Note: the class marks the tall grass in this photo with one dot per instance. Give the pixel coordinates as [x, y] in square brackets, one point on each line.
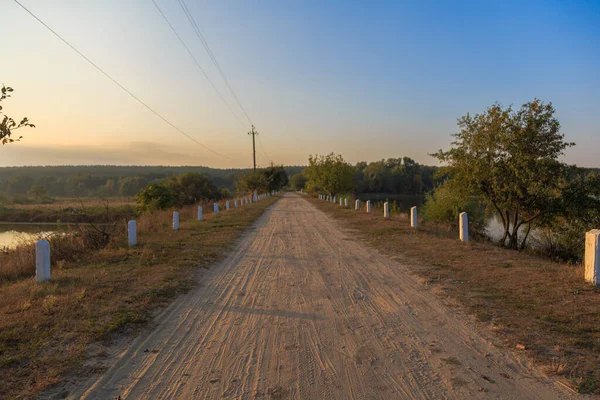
[84, 239]
[72, 245]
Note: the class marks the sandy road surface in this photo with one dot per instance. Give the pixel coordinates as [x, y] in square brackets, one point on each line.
[300, 310]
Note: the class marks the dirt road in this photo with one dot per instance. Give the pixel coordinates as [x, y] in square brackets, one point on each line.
[300, 310]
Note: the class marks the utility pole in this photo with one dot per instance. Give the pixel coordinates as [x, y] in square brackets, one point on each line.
[253, 133]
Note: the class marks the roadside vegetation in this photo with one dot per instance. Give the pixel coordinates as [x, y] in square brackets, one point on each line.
[49, 330]
[506, 163]
[503, 163]
[509, 160]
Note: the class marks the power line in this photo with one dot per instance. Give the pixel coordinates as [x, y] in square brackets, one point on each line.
[211, 55]
[263, 150]
[117, 83]
[192, 21]
[196, 62]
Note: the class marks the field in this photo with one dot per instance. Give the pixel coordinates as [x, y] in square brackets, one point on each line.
[535, 306]
[69, 210]
[49, 330]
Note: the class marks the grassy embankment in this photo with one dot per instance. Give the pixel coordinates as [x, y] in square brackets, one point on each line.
[536, 306]
[47, 330]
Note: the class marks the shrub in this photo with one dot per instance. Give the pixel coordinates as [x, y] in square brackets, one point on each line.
[447, 201]
[155, 196]
[190, 188]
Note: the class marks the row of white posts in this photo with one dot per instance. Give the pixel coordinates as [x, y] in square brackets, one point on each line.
[42, 247]
[463, 218]
[592, 238]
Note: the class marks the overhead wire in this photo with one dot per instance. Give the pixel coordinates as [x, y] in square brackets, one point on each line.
[192, 22]
[211, 55]
[196, 61]
[263, 150]
[120, 85]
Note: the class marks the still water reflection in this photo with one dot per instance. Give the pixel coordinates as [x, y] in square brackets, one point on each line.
[12, 235]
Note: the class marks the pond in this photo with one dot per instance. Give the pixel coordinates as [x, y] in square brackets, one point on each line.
[403, 201]
[12, 235]
[493, 229]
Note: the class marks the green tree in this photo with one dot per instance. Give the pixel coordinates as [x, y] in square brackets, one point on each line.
[192, 187]
[276, 177]
[252, 180]
[510, 160]
[448, 200]
[130, 185]
[8, 125]
[155, 196]
[330, 174]
[19, 184]
[298, 181]
[38, 192]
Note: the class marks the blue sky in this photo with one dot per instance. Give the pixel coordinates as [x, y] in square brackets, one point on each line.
[369, 80]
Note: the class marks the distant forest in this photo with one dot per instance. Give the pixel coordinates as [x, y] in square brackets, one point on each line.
[17, 184]
[101, 180]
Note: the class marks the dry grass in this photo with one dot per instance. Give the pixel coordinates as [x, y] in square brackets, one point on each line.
[527, 301]
[69, 210]
[74, 202]
[47, 329]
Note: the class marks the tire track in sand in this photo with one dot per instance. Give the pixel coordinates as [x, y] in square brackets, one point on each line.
[299, 310]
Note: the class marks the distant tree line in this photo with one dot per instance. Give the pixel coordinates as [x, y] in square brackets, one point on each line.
[43, 183]
[331, 174]
[190, 188]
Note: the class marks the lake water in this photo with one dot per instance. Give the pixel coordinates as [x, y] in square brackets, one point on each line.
[404, 202]
[494, 228]
[12, 235]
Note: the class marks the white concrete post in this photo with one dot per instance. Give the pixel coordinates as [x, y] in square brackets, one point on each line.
[334, 199]
[216, 208]
[386, 210]
[42, 261]
[592, 257]
[413, 217]
[255, 196]
[463, 221]
[175, 220]
[346, 203]
[341, 202]
[368, 206]
[227, 205]
[132, 233]
[199, 213]
[235, 203]
[357, 204]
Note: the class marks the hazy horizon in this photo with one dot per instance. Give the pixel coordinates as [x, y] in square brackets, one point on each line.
[369, 81]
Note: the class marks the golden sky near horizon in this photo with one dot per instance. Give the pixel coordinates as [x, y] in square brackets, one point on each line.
[304, 72]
